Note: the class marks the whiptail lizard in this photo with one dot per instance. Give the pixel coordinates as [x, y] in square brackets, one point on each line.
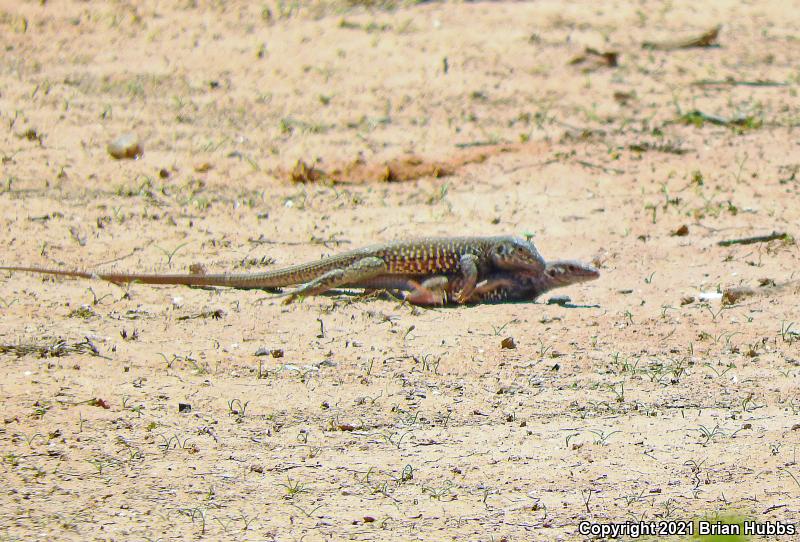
[407, 264]
[496, 287]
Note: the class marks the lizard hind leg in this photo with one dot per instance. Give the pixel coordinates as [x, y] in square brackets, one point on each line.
[363, 269]
[432, 291]
[491, 289]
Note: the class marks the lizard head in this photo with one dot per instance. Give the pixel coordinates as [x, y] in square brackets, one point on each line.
[566, 272]
[514, 253]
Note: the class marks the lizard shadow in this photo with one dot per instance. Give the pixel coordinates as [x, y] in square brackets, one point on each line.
[571, 305]
[528, 302]
[387, 295]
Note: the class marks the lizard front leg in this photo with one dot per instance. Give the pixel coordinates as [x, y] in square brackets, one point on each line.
[361, 270]
[468, 265]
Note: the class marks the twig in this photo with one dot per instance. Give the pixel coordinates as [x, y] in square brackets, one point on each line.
[586, 500]
[56, 349]
[262, 240]
[738, 82]
[774, 507]
[470, 144]
[774, 236]
[604, 169]
[698, 117]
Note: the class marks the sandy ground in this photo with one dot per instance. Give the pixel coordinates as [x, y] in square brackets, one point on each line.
[640, 401]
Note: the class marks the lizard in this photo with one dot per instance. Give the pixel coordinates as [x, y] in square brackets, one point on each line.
[467, 258]
[497, 286]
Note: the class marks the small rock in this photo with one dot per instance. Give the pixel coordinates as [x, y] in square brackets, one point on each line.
[623, 97]
[683, 231]
[368, 519]
[709, 296]
[183, 408]
[274, 352]
[687, 299]
[508, 343]
[559, 300]
[795, 427]
[125, 146]
[102, 403]
[750, 426]
[202, 167]
[732, 295]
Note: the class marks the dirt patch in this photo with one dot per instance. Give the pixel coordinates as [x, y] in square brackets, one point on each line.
[406, 168]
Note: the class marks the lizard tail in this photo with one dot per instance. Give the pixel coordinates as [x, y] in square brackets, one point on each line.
[199, 279]
[49, 271]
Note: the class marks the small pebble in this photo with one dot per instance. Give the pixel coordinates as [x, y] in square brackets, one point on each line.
[559, 300]
[184, 408]
[125, 146]
[508, 343]
[732, 295]
[682, 231]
